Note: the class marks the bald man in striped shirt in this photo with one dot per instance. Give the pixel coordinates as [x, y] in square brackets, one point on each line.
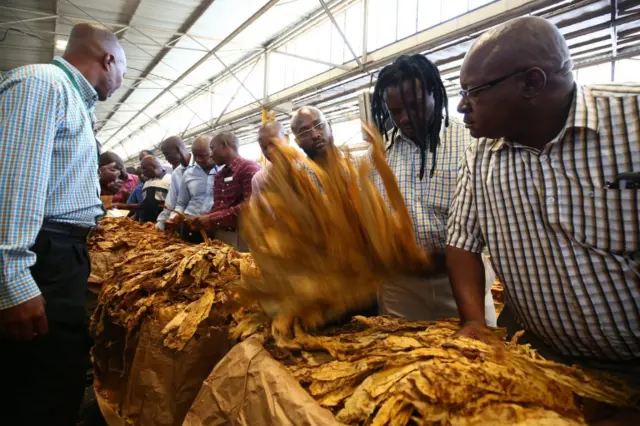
[542, 189]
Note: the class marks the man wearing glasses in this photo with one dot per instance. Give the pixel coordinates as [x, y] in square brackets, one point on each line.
[539, 189]
[313, 133]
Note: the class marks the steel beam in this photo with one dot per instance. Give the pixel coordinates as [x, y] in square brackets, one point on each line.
[234, 95]
[310, 21]
[265, 86]
[211, 53]
[22, 21]
[55, 29]
[32, 11]
[317, 61]
[344, 37]
[445, 33]
[365, 28]
[614, 37]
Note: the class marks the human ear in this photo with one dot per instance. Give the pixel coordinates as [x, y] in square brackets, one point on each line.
[534, 81]
[107, 60]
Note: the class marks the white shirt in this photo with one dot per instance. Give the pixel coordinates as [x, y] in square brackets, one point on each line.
[195, 197]
[172, 196]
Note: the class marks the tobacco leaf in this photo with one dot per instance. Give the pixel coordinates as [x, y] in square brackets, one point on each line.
[388, 371]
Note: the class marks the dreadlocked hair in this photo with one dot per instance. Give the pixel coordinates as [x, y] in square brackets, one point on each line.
[412, 68]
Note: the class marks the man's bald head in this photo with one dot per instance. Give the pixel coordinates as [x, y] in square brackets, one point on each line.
[224, 147]
[520, 44]
[97, 54]
[175, 151]
[513, 73]
[151, 167]
[269, 133]
[312, 131]
[306, 111]
[201, 150]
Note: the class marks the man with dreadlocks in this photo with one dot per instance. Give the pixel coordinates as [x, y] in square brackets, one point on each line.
[409, 98]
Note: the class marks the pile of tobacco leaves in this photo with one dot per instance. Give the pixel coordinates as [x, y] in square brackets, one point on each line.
[388, 371]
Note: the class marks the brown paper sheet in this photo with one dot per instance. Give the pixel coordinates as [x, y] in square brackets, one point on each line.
[161, 383]
[249, 388]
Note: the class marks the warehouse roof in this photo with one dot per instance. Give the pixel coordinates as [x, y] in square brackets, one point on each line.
[197, 65]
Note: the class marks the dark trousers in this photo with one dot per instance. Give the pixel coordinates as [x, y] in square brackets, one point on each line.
[194, 237]
[43, 380]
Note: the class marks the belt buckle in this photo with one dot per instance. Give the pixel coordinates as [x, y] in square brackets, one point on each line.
[92, 231]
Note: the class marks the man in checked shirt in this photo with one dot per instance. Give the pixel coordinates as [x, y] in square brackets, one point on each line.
[540, 190]
[424, 151]
[231, 188]
[48, 150]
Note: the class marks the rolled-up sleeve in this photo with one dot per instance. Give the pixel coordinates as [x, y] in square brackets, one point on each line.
[171, 200]
[463, 229]
[28, 123]
[183, 198]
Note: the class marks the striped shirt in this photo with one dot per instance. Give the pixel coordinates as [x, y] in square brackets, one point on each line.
[48, 166]
[428, 199]
[563, 243]
[195, 197]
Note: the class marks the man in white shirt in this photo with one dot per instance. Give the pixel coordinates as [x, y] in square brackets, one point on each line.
[176, 153]
[195, 196]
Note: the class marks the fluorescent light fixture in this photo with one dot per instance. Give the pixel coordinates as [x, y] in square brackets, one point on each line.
[61, 44]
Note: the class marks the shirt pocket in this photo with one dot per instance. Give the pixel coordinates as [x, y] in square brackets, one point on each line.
[606, 219]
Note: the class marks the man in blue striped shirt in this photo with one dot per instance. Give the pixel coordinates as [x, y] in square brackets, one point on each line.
[48, 150]
[195, 196]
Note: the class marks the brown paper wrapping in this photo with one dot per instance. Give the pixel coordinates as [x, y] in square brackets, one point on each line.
[250, 388]
[158, 385]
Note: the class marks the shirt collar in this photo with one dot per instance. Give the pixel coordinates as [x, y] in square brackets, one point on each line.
[235, 163]
[87, 92]
[582, 114]
[213, 170]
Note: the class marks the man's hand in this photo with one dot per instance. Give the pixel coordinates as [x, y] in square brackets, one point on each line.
[24, 321]
[115, 186]
[480, 331]
[200, 222]
[170, 225]
[477, 331]
[109, 173]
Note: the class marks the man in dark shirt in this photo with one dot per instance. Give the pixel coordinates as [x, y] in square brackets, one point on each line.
[231, 187]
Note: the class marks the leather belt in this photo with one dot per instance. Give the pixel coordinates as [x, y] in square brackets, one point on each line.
[67, 229]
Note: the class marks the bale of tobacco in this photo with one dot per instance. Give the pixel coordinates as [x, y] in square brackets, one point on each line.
[115, 237]
[161, 323]
[323, 237]
[387, 371]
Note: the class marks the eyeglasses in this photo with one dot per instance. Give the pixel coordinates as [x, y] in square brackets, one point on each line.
[465, 93]
[305, 134]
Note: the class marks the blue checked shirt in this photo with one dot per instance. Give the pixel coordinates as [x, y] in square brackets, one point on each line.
[48, 166]
[428, 200]
[195, 197]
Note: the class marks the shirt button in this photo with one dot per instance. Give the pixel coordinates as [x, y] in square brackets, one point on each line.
[551, 200]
